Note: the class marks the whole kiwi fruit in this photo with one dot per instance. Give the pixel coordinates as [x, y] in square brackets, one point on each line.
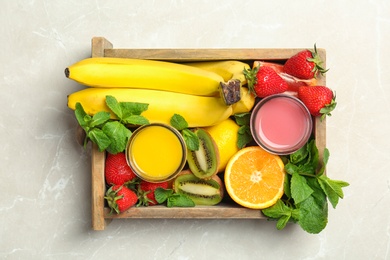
[202, 192]
[204, 162]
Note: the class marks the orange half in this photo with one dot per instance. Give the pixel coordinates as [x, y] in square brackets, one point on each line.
[254, 178]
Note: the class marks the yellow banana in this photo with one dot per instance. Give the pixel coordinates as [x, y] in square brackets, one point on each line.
[198, 111]
[144, 74]
[246, 102]
[229, 69]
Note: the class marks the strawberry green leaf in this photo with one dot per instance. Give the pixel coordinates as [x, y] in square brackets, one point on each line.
[251, 77]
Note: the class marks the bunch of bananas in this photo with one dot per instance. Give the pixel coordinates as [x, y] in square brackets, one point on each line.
[192, 90]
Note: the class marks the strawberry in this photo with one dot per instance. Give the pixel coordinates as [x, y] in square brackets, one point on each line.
[304, 65]
[263, 81]
[120, 198]
[117, 171]
[146, 192]
[320, 100]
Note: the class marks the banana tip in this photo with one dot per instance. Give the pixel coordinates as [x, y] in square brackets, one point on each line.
[67, 72]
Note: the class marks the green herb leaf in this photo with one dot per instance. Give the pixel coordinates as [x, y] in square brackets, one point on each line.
[300, 190]
[161, 194]
[178, 122]
[282, 222]
[314, 210]
[179, 200]
[332, 189]
[118, 134]
[128, 112]
[82, 117]
[173, 199]
[132, 108]
[191, 139]
[113, 104]
[99, 138]
[99, 118]
[244, 136]
[277, 210]
[244, 132]
[135, 120]
[242, 119]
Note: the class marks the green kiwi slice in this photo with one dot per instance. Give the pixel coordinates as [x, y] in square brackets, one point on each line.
[204, 162]
[202, 192]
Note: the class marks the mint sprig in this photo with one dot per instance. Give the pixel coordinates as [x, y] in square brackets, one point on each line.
[107, 134]
[173, 199]
[190, 138]
[244, 132]
[307, 191]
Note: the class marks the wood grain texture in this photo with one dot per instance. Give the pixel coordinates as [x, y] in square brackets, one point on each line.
[100, 214]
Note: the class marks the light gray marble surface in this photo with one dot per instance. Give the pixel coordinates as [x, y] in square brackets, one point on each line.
[45, 175]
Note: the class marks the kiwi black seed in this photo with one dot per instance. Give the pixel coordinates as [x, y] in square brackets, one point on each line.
[201, 191]
[204, 162]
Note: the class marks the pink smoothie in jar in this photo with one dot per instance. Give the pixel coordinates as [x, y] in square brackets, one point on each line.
[281, 124]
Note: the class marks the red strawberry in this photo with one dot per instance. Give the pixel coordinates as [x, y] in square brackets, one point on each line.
[120, 198]
[146, 192]
[263, 81]
[117, 171]
[320, 100]
[304, 65]
[293, 82]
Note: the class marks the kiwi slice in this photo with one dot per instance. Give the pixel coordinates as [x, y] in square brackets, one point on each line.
[204, 162]
[201, 191]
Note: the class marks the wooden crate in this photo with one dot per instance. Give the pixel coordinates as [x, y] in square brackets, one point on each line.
[101, 47]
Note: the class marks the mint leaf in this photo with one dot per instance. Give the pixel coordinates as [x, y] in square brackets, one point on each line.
[99, 138]
[179, 200]
[279, 211]
[113, 104]
[82, 117]
[300, 190]
[191, 139]
[132, 108]
[242, 119]
[244, 132]
[128, 112]
[178, 122]
[118, 134]
[173, 199]
[313, 216]
[99, 119]
[135, 120]
[244, 136]
[282, 222]
[161, 194]
[286, 186]
[299, 155]
[332, 189]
